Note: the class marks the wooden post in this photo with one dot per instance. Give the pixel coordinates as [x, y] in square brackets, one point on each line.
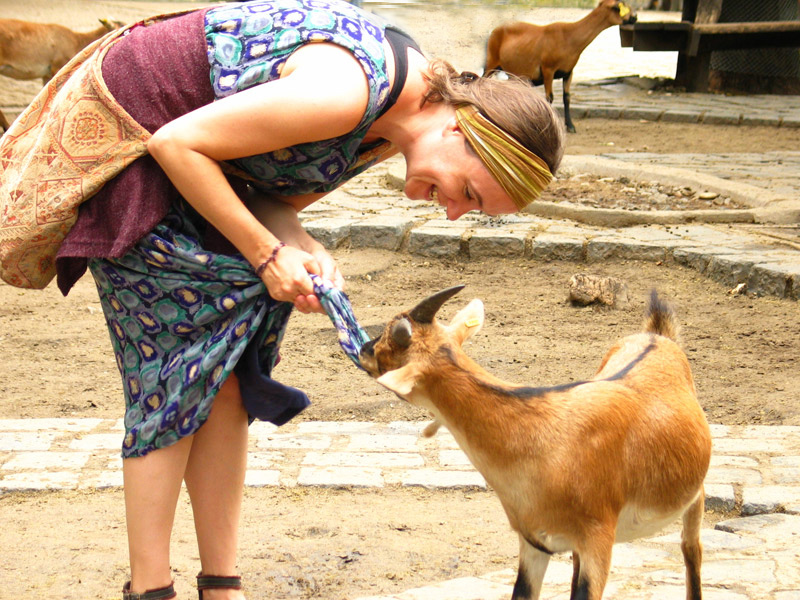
[689, 10]
[708, 11]
[694, 62]
[692, 72]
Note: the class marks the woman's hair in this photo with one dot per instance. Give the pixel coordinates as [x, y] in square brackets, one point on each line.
[513, 105]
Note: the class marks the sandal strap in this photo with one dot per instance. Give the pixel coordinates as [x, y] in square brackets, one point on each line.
[164, 593]
[209, 582]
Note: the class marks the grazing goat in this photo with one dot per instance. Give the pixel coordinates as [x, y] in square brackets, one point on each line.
[39, 50]
[541, 53]
[577, 467]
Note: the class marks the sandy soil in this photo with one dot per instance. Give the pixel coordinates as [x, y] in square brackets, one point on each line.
[332, 544]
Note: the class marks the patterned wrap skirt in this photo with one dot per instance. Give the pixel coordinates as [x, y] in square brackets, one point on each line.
[181, 320]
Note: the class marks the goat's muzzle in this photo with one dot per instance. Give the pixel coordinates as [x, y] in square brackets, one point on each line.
[367, 352]
[627, 13]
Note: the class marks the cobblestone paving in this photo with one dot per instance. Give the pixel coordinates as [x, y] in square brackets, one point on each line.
[754, 479]
[618, 99]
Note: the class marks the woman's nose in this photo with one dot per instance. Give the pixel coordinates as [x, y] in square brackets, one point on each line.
[455, 209]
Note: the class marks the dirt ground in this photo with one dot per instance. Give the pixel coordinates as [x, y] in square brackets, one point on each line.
[337, 544]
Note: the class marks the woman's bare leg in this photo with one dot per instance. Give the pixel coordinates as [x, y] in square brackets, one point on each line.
[152, 486]
[215, 480]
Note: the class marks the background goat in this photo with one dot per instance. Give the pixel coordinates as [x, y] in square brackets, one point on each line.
[579, 466]
[541, 53]
[39, 50]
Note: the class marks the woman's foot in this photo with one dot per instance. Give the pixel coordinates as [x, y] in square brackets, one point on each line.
[216, 587]
[221, 594]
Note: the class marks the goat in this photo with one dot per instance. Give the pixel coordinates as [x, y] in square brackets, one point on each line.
[541, 53]
[39, 50]
[577, 467]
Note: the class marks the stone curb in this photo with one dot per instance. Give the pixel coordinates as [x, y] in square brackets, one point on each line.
[673, 115]
[754, 468]
[765, 269]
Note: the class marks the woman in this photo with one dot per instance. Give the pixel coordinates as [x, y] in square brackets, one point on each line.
[257, 110]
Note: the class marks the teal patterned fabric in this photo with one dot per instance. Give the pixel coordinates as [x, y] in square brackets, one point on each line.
[181, 320]
[248, 44]
[336, 303]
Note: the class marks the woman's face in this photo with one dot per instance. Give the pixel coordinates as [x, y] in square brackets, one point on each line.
[448, 172]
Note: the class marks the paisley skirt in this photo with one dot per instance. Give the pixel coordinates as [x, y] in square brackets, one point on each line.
[181, 320]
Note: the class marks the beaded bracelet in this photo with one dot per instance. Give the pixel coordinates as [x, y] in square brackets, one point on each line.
[262, 267]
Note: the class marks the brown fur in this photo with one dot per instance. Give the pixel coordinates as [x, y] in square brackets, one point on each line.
[538, 52]
[39, 50]
[576, 468]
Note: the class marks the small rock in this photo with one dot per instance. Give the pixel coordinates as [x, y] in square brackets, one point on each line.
[707, 195]
[739, 290]
[588, 289]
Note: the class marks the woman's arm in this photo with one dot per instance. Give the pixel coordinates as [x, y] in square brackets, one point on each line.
[280, 215]
[322, 93]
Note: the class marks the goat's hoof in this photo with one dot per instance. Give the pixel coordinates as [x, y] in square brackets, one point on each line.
[571, 129]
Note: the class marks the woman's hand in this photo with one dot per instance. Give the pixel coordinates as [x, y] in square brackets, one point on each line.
[328, 268]
[287, 278]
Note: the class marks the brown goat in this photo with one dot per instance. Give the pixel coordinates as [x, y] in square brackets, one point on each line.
[542, 53]
[577, 467]
[39, 50]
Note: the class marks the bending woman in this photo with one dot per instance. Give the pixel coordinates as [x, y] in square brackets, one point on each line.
[257, 110]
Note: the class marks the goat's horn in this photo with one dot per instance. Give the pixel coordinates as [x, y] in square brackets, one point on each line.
[401, 333]
[427, 309]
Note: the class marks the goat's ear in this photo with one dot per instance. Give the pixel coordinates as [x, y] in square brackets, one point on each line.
[467, 322]
[400, 381]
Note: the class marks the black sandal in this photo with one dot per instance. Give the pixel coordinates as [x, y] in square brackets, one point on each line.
[164, 593]
[217, 582]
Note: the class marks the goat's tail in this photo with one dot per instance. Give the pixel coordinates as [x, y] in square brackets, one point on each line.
[659, 318]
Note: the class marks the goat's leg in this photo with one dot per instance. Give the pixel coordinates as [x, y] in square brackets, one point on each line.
[591, 564]
[4, 125]
[567, 117]
[576, 570]
[692, 548]
[532, 566]
[547, 79]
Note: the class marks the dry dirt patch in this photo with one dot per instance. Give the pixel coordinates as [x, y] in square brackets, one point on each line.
[57, 360]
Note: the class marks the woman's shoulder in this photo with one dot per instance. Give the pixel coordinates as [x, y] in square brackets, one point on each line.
[249, 42]
[325, 17]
